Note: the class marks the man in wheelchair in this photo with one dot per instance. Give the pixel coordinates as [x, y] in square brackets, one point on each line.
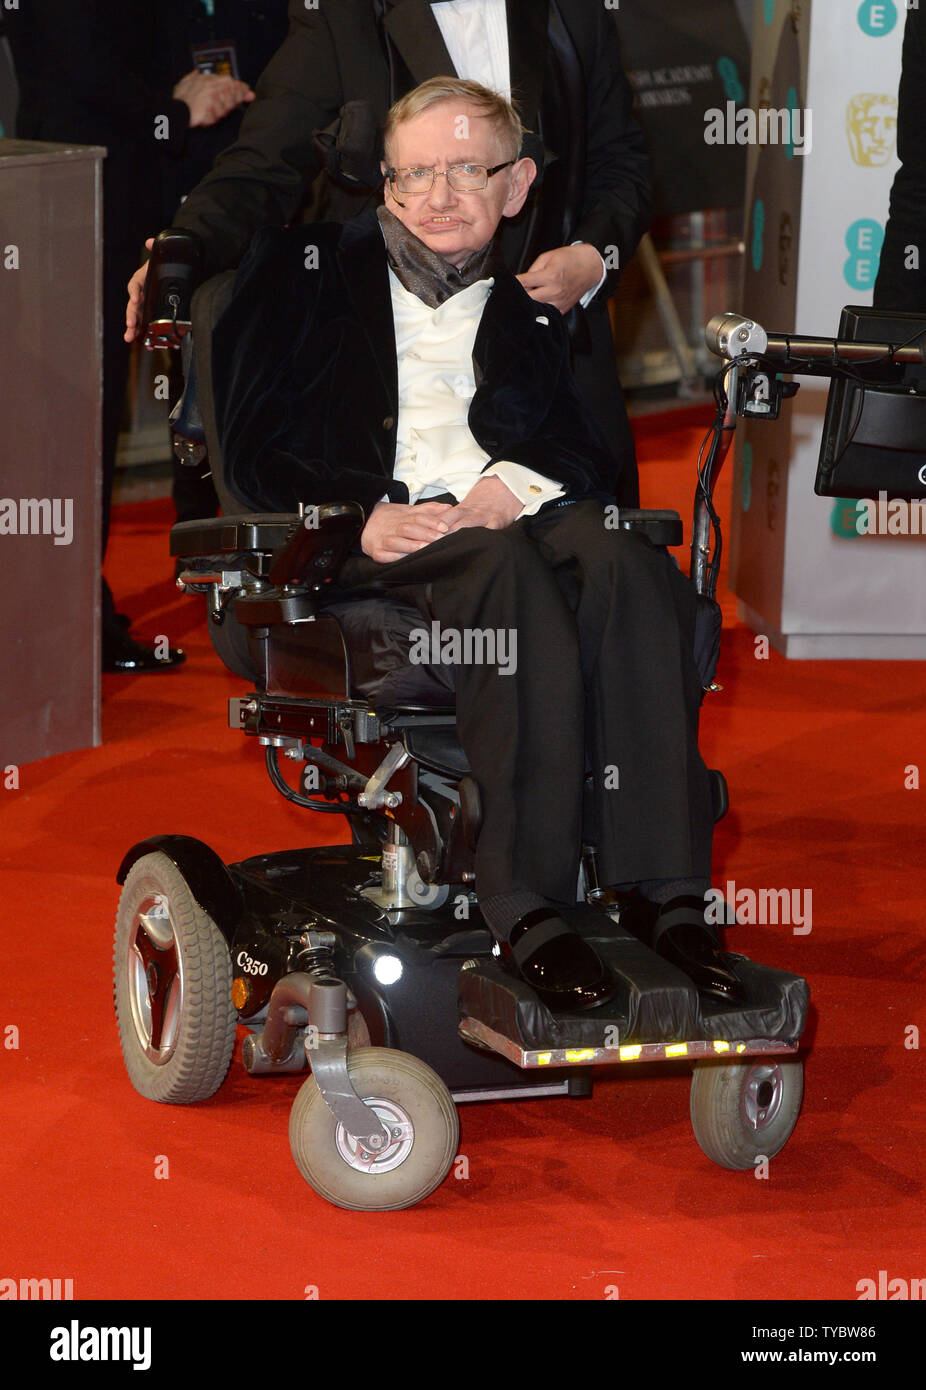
[391, 363]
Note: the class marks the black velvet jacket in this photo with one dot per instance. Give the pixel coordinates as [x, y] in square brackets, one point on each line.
[305, 377]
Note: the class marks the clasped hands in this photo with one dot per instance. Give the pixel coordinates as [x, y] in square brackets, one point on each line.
[395, 529]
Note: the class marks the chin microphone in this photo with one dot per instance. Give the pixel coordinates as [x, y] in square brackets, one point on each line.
[732, 335]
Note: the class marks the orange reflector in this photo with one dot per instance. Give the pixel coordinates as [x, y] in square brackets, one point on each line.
[239, 992]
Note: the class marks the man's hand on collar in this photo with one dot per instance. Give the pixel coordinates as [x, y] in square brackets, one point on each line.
[561, 277]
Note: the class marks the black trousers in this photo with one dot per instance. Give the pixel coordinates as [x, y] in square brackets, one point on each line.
[605, 681]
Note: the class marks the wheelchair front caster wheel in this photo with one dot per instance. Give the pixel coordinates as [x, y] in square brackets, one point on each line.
[172, 979]
[744, 1112]
[412, 1103]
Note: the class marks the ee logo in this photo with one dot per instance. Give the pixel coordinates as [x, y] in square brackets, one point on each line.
[728, 73]
[877, 17]
[864, 240]
[793, 107]
[844, 518]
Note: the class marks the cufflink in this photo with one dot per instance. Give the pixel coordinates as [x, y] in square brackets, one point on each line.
[533, 488]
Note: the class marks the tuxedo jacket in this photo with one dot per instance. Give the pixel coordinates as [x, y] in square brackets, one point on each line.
[305, 377]
[566, 75]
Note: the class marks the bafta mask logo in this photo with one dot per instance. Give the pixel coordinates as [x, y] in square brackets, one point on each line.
[797, 7]
[871, 126]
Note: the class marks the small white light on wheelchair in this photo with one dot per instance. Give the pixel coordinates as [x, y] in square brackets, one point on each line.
[387, 969]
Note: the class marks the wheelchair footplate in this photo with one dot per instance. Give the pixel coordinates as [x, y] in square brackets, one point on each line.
[657, 1013]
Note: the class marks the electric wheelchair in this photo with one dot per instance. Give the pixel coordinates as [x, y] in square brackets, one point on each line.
[368, 964]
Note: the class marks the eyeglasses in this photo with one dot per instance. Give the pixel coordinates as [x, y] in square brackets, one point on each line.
[462, 178]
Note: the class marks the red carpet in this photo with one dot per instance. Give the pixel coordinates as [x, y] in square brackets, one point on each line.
[564, 1199]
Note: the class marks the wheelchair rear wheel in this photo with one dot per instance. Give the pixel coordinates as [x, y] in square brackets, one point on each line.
[172, 978]
[229, 640]
[411, 1101]
[744, 1112]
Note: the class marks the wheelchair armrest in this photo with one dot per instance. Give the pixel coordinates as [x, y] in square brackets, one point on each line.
[175, 268]
[308, 563]
[318, 546]
[659, 527]
[275, 564]
[261, 533]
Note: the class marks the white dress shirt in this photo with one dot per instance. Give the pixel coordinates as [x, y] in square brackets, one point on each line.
[435, 448]
[475, 33]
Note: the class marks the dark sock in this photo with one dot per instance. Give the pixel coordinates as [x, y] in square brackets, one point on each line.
[502, 910]
[662, 890]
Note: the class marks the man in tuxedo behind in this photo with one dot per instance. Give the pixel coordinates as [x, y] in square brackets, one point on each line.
[389, 362]
[97, 73]
[320, 107]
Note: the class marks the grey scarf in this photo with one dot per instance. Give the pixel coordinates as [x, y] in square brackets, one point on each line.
[422, 271]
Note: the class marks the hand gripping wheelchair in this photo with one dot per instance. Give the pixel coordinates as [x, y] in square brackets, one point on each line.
[369, 964]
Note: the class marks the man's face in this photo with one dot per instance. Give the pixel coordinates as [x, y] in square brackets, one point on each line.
[450, 223]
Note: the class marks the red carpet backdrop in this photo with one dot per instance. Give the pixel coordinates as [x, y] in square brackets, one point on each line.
[564, 1200]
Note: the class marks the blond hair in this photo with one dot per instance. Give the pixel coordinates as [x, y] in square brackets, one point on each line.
[503, 114]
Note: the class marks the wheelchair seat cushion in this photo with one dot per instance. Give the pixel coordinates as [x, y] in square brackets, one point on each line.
[378, 634]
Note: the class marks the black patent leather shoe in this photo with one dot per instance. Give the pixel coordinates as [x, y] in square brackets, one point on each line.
[123, 653]
[560, 967]
[677, 931]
